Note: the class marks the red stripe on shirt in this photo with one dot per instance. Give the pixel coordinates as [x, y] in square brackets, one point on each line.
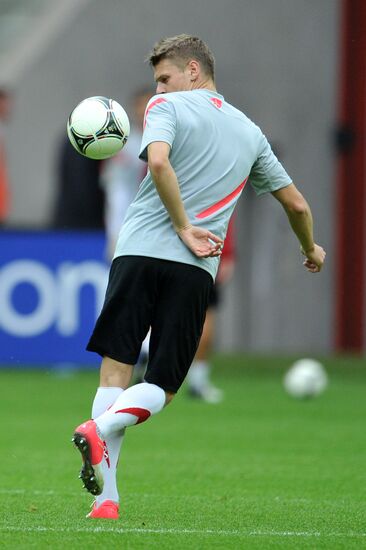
[149, 107]
[215, 207]
[229, 250]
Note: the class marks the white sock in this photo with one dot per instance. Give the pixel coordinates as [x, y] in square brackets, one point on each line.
[198, 375]
[104, 398]
[134, 406]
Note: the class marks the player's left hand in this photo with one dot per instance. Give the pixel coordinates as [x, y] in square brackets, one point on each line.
[201, 242]
[314, 259]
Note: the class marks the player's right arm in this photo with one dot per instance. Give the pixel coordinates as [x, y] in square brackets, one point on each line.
[157, 140]
[301, 221]
[200, 241]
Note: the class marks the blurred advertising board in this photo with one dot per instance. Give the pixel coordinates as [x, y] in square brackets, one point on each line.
[52, 287]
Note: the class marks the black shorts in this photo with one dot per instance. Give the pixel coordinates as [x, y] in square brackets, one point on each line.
[171, 298]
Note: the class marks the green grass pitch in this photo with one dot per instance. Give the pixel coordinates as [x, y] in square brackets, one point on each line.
[260, 470]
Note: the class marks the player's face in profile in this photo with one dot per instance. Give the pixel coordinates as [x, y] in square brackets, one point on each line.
[169, 77]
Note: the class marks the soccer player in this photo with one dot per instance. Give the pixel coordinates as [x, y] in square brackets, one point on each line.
[6, 105]
[200, 151]
[200, 385]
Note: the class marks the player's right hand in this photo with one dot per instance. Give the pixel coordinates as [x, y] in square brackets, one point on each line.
[314, 259]
[201, 242]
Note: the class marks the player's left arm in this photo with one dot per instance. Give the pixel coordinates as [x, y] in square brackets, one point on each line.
[200, 241]
[301, 220]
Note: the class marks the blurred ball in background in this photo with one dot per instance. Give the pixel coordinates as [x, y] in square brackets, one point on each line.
[305, 378]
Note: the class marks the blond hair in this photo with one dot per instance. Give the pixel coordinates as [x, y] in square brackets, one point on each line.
[182, 48]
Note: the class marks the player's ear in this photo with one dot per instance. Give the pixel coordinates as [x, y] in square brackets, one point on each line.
[194, 69]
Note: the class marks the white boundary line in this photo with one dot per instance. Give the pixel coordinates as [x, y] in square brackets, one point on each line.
[163, 531]
[166, 531]
[276, 499]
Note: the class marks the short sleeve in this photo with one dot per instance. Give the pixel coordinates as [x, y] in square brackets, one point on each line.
[159, 123]
[267, 173]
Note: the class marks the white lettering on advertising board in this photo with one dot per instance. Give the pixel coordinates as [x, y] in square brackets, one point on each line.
[58, 295]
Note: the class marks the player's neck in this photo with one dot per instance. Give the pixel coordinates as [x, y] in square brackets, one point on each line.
[206, 84]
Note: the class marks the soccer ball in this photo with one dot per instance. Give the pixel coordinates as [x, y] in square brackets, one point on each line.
[305, 378]
[98, 127]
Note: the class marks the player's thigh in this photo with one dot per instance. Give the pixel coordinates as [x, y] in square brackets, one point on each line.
[127, 311]
[177, 325]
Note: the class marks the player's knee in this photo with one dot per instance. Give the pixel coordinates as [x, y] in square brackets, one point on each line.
[114, 373]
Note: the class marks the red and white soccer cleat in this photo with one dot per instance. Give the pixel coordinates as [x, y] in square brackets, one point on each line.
[107, 510]
[92, 449]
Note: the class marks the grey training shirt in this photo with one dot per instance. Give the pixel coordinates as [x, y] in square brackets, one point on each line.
[215, 148]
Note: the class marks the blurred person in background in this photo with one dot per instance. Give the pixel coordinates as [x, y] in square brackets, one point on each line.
[79, 200]
[122, 174]
[198, 148]
[198, 379]
[6, 101]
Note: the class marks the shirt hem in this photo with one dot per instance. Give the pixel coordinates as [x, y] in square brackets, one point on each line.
[163, 257]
